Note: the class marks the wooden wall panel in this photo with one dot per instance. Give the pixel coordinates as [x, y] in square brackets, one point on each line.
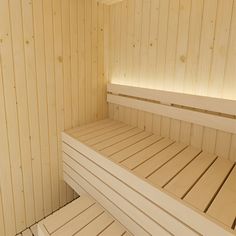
[179, 45]
[210, 140]
[51, 78]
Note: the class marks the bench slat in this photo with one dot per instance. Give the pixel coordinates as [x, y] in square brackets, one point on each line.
[115, 229]
[63, 216]
[87, 126]
[100, 132]
[94, 128]
[170, 169]
[180, 184]
[223, 207]
[96, 226]
[119, 143]
[145, 154]
[209, 184]
[82, 220]
[109, 135]
[137, 147]
[112, 141]
[150, 166]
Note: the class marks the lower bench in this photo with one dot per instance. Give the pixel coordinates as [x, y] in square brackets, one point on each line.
[83, 216]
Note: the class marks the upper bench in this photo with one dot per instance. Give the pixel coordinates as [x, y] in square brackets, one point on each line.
[152, 184]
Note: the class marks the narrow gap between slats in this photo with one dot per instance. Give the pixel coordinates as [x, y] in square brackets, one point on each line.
[153, 155]
[234, 224]
[119, 193]
[61, 226]
[166, 162]
[89, 223]
[126, 131]
[106, 228]
[181, 170]
[114, 189]
[200, 176]
[107, 130]
[218, 190]
[105, 126]
[141, 149]
[101, 194]
[124, 140]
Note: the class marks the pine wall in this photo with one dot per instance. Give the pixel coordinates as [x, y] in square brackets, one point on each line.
[187, 46]
[178, 45]
[51, 79]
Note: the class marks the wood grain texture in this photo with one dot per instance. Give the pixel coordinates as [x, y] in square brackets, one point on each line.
[185, 46]
[48, 73]
[214, 141]
[179, 169]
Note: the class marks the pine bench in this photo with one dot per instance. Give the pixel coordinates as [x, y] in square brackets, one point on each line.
[153, 185]
[83, 216]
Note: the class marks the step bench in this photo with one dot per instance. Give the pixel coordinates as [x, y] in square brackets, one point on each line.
[83, 216]
[151, 184]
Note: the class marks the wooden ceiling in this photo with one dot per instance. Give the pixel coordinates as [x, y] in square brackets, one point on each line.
[109, 2]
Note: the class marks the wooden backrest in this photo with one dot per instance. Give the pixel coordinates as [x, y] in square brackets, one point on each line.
[211, 112]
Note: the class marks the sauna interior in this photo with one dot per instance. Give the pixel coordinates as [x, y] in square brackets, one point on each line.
[118, 117]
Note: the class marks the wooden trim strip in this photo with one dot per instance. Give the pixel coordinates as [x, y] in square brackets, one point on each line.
[167, 97]
[208, 120]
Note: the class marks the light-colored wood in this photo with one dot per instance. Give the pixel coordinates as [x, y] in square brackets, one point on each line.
[64, 215]
[166, 97]
[106, 145]
[27, 233]
[108, 151]
[97, 226]
[222, 123]
[153, 164]
[224, 205]
[87, 162]
[109, 135]
[172, 168]
[210, 140]
[113, 183]
[180, 184]
[142, 156]
[215, 176]
[194, 44]
[34, 230]
[83, 216]
[73, 179]
[114, 229]
[2, 225]
[108, 2]
[43, 90]
[135, 148]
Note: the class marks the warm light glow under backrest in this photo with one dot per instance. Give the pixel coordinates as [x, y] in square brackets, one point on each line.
[211, 112]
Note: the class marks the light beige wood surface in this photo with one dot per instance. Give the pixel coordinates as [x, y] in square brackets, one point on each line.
[83, 216]
[180, 169]
[50, 72]
[185, 46]
[210, 140]
[225, 212]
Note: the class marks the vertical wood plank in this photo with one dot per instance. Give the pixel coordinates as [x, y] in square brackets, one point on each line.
[9, 88]
[51, 100]
[5, 173]
[41, 204]
[42, 101]
[58, 64]
[22, 108]
[2, 225]
[81, 61]
[224, 19]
